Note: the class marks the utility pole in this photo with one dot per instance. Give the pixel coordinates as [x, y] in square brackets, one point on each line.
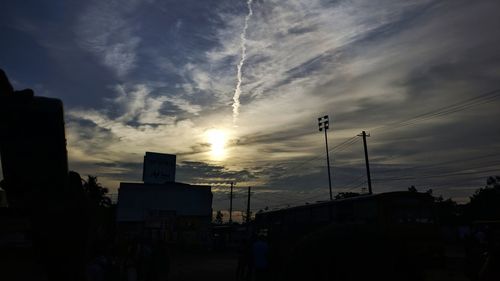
[231, 205]
[248, 204]
[364, 135]
[323, 124]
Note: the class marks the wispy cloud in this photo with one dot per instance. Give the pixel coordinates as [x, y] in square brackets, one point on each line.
[342, 58]
[105, 29]
[366, 63]
[184, 105]
[132, 119]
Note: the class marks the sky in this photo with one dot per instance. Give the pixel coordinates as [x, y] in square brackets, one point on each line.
[234, 89]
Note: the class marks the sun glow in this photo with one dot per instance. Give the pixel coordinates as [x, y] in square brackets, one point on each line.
[217, 140]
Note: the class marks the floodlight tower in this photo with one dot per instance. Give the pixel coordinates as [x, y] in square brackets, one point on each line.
[323, 124]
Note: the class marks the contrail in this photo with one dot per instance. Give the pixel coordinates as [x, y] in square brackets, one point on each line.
[243, 38]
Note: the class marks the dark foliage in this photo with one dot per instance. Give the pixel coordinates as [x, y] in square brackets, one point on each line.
[96, 193]
[218, 217]
[485, 202]
[343, 195]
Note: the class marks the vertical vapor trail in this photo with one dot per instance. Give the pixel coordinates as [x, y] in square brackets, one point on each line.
[243, 38]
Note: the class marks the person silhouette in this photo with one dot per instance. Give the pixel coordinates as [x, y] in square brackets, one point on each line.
[260, 254]
[244, 263]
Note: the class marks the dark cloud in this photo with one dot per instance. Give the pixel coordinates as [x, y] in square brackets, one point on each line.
[199, 172]
[38, 52]
[387, 63]
[88, 136]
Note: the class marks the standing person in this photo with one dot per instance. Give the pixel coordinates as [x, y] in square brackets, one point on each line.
[161, 261]
[130, 270]
[490, 270]
[96, 270]
[130, 262]
[244, 257]
[144, 261]
[260, 253]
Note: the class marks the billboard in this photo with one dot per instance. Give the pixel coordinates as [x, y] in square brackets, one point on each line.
[158, 168]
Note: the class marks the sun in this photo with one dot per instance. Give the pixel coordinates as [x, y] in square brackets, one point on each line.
[217, 140]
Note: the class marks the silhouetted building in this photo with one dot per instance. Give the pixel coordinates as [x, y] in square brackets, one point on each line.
[32, 148]
[45, 209]
[171, 211]
[393, 235]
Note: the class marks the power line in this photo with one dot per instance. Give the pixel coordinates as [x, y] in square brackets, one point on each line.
[424, 167]
[357, 183]
[456, 107]
[482, 165]
[452, 161]
[321, 156]
[354, 183]
[356, 186]
[437, 113]
[437, 176]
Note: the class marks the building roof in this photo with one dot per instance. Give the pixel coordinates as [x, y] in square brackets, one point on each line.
[394, 194]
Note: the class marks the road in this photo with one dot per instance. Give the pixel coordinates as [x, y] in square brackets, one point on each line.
[203, 266]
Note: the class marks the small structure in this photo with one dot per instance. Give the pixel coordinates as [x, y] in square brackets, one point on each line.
[161, 208]
[158, 168]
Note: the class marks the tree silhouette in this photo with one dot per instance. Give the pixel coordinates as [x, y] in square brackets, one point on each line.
[96, 193]
[485, 202]
[244, 216]
[414, 189]
[218, 217]
[343, 195]
[447, 210]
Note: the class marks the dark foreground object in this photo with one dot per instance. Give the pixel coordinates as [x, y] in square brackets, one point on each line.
[36, 179]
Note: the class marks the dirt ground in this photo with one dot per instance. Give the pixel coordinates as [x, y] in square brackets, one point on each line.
[203, 266]
[220, 266]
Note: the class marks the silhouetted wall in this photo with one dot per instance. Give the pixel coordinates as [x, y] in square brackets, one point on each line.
[174, 211]
[32, 148]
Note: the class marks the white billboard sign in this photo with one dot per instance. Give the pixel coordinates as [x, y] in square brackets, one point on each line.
[158, 168]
